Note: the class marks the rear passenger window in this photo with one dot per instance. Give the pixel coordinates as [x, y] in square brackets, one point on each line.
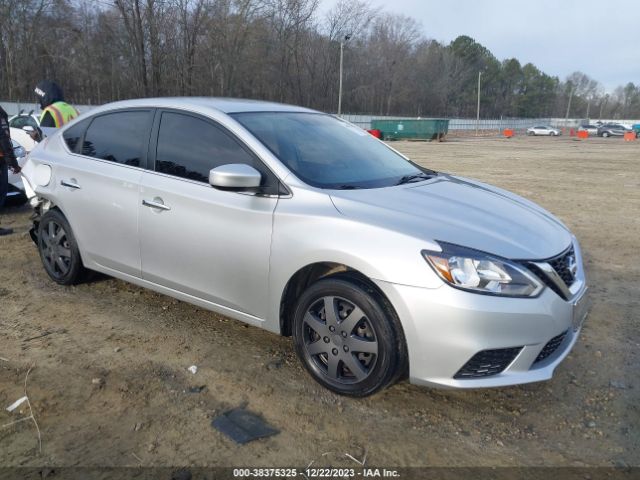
[73, 135]
[119, 137]
[189, 147]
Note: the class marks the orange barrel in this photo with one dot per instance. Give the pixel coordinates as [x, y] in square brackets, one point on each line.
[629, 136]
[375, 132]
[572, 133]
[583, 134]
[508, 132]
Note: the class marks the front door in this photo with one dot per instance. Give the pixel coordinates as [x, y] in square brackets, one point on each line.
[195, 239]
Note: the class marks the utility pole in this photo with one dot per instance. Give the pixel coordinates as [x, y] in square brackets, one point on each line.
[588, 107]
[342, 42]
[478, 111]
[603, 104]
[566, 117]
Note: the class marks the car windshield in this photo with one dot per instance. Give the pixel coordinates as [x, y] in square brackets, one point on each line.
[326, 152]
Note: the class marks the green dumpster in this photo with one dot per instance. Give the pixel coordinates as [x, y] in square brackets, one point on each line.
[431, 129]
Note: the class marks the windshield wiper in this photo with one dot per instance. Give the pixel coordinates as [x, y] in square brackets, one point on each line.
[415, 176]
[348, 187]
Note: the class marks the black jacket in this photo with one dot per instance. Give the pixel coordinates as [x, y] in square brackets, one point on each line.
[6, 148]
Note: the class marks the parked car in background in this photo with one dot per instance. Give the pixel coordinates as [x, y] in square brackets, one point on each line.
[16, 194]
[23, 137]
[305, 225]
[590, 129]
[612, 130]
[544, 130]
[23, 119]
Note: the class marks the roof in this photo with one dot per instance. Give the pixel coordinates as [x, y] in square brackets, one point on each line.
[226, 105]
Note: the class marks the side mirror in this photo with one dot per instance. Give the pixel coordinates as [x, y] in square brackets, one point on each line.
[235, 176]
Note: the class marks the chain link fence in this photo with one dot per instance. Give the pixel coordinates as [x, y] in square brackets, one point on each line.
[457, 126]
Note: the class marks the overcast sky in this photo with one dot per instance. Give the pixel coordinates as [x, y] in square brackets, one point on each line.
[599, 38]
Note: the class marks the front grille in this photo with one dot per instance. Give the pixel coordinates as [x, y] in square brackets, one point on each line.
[487, 363]
[562, 265]
[546, 280]
[551, 346]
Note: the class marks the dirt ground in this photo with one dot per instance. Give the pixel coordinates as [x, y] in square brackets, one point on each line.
[110, 387]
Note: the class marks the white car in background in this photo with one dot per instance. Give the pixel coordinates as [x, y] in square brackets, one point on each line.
[23, 138]
[24, 119]
[16, 194]
[544, 130]
[590, 129]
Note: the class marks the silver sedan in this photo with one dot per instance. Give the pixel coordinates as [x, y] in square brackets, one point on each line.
[307, 226]
[544, 130]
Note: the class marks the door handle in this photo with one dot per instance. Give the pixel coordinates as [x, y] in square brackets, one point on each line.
[161, 206]
[75, 186]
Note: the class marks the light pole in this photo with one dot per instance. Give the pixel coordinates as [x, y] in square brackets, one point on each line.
[566, 117]
[478, 110]
[342, 42]
[603, 104]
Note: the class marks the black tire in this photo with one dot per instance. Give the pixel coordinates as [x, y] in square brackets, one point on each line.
[531, 134]
[59, 250]
[605, 134]
[328, 354]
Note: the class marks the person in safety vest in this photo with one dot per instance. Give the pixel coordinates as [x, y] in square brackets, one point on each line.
[7, 161]
[55, 111]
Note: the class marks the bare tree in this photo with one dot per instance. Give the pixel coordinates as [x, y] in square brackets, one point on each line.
[285, 50]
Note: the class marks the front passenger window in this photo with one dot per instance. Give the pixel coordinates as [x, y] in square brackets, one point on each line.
[188, 147]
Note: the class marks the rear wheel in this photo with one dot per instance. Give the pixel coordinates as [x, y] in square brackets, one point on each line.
[58, 249]
[605, 134]
[347, 337]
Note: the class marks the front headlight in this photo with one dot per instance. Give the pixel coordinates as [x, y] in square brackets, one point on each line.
[480, 272]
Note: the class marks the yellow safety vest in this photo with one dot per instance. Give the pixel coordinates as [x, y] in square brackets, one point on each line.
[61, 112]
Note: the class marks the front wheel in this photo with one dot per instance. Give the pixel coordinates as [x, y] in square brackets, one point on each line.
[605, 134]
[348, 337]
[58, 249]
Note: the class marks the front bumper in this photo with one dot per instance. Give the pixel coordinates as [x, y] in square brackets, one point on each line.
[445, 327]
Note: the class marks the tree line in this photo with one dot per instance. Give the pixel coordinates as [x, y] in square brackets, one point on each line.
[280, 50]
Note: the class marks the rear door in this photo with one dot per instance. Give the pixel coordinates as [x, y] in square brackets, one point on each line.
[195, 239]
[98, 186]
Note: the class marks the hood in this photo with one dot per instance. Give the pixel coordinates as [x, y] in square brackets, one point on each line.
[463, 212]
[48, 92]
